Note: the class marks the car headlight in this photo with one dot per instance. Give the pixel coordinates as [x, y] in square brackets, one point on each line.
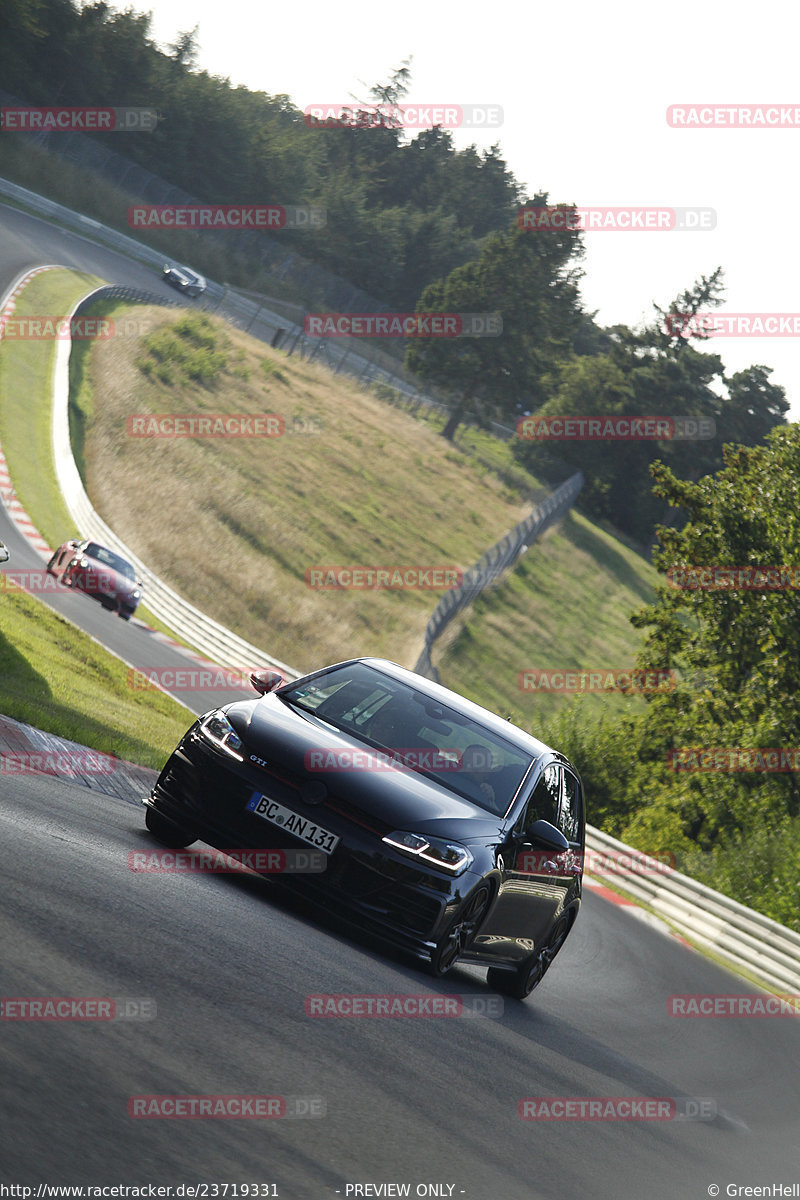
[217, 729]
[136, 594]
[449, 856]
[84, 562]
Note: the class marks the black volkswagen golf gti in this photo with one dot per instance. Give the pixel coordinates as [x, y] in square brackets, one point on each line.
[417, 814]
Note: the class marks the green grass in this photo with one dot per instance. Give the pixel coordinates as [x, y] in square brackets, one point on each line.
[26, 381]
[566, 605]
[55, 677]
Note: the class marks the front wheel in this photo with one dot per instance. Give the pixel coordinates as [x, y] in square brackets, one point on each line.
[520, 983]
[461, 931]
[166, 831]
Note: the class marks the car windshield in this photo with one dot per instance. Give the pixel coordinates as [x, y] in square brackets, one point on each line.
[109, 559]
[422, 733]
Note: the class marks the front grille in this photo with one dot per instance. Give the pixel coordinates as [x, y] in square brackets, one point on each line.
[398, 903]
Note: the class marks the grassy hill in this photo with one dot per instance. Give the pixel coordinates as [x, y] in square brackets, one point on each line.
[235, 523]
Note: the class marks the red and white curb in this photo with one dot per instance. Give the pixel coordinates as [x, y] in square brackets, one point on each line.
[18, 514]
[7, 494]
[25, 750]
[635, 908]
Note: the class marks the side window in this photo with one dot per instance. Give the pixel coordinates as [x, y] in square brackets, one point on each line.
[545, 803]
[569, 809]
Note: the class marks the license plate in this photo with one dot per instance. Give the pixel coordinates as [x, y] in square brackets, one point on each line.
[292, 822]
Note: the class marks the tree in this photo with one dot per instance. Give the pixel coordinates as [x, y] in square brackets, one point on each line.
[733, 654]
[654, 371]
[736, 646]
[531, 280]
[185, 49]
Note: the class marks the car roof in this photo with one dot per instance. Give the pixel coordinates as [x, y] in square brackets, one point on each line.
[187, 271]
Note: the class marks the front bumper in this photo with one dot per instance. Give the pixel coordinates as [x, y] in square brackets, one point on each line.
[365, 881]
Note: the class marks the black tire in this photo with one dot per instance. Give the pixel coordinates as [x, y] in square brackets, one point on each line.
[529, 974]
[49, 567]
[461, 930]
[518, 984]
[166, 831]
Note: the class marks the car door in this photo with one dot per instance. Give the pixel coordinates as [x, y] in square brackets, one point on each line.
[536, 883]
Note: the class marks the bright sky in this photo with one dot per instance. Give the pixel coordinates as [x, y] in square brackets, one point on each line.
[584, 88]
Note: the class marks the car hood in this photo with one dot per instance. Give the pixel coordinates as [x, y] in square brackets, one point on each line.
[395, 798]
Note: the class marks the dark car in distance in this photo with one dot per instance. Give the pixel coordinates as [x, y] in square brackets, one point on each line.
[440, 826]
[184, 279]
[108, 577]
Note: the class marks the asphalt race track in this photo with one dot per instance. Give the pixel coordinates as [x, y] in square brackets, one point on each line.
[223, 966]
[227, 966]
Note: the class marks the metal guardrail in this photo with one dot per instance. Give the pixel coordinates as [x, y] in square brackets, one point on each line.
[745, 939]
[492, 564]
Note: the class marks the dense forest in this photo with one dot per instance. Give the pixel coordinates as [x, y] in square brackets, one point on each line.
[400, 213]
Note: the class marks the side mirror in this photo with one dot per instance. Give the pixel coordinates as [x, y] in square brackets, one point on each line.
[4, 555]
[542, 833]
[266, 681]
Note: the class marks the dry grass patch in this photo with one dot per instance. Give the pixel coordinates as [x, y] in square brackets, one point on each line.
[234, 523]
